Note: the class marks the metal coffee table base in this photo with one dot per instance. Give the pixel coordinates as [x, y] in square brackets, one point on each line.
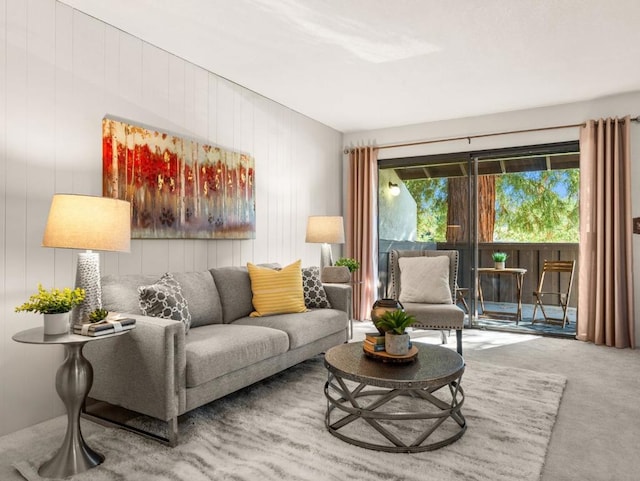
[341, 397]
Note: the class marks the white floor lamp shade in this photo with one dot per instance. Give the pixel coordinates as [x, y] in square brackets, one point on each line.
[325, 230]
[92, 223]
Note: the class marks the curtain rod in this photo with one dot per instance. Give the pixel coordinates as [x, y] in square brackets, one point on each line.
[478, 136]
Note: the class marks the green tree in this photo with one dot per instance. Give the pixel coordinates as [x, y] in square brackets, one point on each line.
[431, 199]
[537, 206]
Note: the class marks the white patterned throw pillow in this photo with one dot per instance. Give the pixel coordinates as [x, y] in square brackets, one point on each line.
[164, 299]
[314, 293]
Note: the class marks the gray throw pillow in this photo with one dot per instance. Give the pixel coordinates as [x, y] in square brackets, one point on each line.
[164, 299]
[314, 293]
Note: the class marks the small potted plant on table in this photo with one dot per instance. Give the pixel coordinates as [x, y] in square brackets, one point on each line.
[55, 305]
[351, 264]
[499, 259]
[341, 271]
[394, 323]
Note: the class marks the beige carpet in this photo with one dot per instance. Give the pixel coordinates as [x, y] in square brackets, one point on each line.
[275, 431]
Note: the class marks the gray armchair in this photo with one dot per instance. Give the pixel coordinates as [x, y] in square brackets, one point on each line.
[439, 314]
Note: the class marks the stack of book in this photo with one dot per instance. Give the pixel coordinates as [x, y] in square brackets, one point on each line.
[373, 342]
[106, 326]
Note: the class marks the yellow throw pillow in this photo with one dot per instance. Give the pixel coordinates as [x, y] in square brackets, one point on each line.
[276, 292]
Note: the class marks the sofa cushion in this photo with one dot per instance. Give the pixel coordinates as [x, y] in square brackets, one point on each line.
[120, 294]
[314, 293]
[276, 291]
[215, 350]
[201, 292]
[164, 299]
[234, 287]
[302, 328]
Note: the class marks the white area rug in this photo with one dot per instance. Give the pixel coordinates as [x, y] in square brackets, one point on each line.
[275, 430]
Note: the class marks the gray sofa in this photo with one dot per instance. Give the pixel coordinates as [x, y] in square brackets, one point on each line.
[159, 371]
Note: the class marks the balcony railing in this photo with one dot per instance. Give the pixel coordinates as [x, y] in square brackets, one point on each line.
[529, 256]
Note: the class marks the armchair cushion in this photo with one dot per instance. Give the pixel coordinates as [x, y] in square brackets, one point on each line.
[424, 280]
[435, 316]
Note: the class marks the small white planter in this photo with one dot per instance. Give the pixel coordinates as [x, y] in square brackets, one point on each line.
[396, 344]
[55, 324]
[499, 265]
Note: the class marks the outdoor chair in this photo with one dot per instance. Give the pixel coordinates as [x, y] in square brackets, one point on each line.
[425, 282]
[553, 283]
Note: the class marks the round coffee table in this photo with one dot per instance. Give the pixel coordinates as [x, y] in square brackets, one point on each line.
[404, 408]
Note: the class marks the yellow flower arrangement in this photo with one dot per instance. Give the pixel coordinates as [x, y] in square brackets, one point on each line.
[54, 301]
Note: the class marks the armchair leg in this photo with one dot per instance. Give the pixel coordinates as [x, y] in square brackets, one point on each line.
[443, 336]
[459, 341]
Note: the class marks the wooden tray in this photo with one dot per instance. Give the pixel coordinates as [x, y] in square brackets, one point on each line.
[386, 357]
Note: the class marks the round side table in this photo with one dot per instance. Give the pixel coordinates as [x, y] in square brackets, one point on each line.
[73, 382]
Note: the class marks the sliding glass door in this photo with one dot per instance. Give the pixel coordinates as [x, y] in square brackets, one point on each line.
[520, 201]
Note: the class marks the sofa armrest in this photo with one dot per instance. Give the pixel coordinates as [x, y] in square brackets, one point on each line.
[143, 370]
[339, 296]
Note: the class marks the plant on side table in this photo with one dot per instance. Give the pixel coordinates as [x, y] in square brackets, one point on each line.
[351, 264]
[394, 324]
[98, 315]
[341, 270]
[499, 259]
[55, 305]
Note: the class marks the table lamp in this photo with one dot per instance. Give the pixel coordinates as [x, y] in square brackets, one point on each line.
[325, 230]
[92, 223]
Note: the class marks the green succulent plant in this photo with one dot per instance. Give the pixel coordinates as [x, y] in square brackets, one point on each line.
[349, 263]
[98, 315]
[499, 256]
[54, 301]
[395, 321]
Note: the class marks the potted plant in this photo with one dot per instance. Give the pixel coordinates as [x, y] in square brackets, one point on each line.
[351, 264]
[499, 259]
[55, 305]
[340, 271]
[394, 323]
[98, 315]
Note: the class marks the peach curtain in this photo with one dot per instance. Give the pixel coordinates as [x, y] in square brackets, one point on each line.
[362, 234]
[605, 306]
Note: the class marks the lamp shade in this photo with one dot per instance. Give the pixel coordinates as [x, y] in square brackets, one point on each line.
[87, 222]
[325, 229]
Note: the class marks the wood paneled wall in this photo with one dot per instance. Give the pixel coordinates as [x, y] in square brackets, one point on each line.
[61, 72]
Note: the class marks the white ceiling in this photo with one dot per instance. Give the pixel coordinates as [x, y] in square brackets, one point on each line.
[367, 64]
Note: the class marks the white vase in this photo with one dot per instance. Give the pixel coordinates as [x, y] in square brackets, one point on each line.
[499, 265]
[55, 324]
[396, 344]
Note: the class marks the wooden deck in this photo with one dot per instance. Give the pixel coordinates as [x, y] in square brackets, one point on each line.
[500, 291]
[525, 326]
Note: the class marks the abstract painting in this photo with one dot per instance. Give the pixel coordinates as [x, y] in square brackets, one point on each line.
[179, 188]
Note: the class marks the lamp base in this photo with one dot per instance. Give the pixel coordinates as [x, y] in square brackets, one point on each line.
[88, 278]
[326, 257]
